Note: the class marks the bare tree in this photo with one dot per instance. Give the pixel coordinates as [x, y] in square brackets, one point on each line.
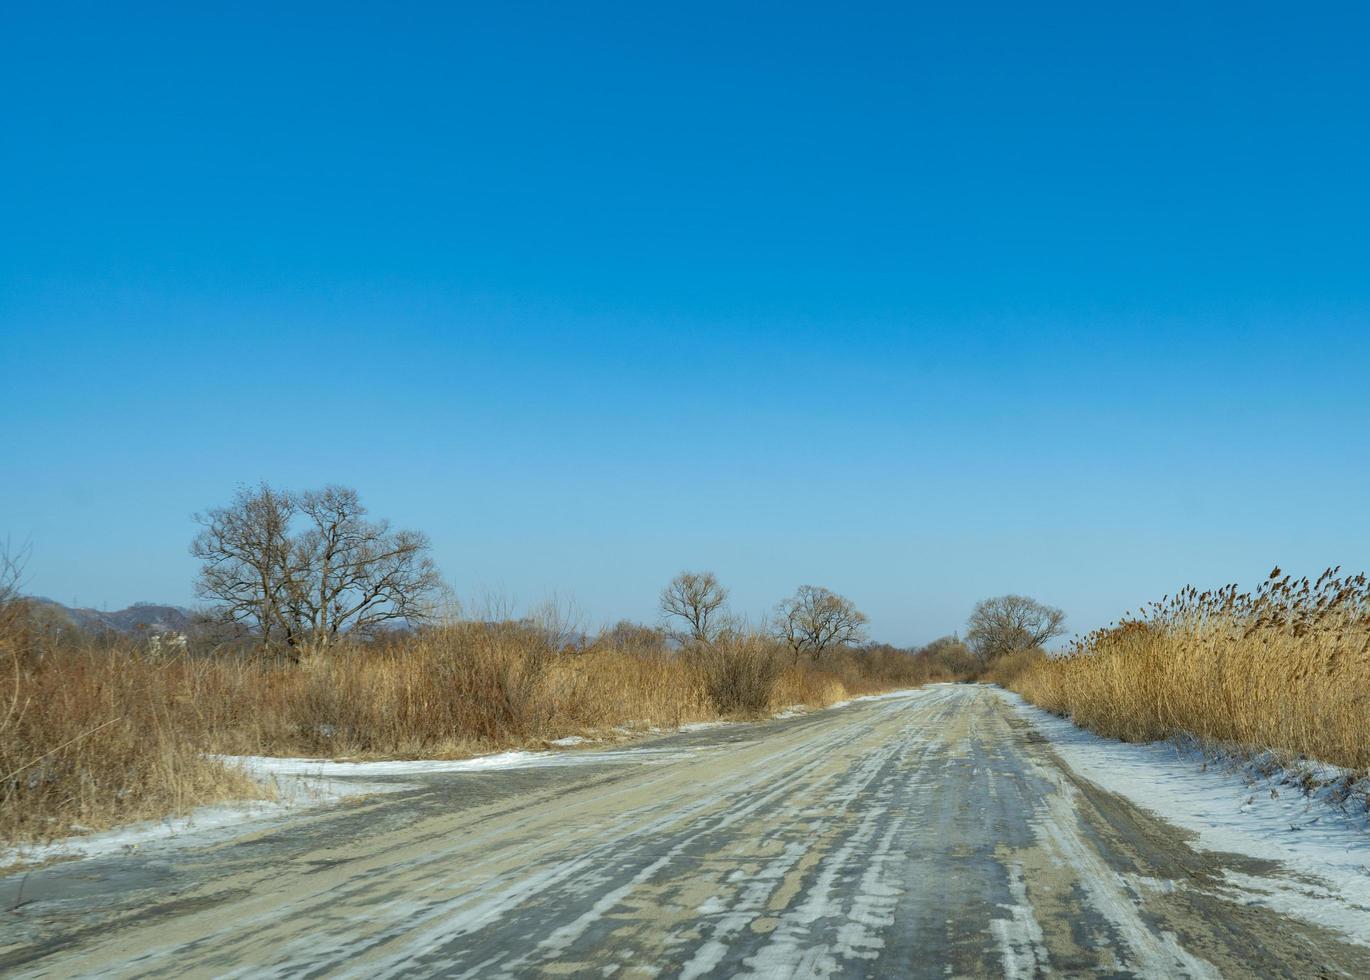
[246, 551]
[815, 618]
[304, 569]
[12, 614]
[699, 600]
[13, 609]
[1010, 623]
[12, 563]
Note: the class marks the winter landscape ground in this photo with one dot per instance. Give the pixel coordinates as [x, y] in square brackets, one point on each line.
[612, 490]
[513, 798]
[949, 830]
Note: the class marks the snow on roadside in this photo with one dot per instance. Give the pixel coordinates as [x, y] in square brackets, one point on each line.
[570, 740]
[332, 771]
[269, 766]
[300, 783]
[1242, 808]
[293, 790]
[903, 692]
[202, 825]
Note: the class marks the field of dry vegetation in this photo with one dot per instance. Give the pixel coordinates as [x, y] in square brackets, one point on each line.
[95, 734]
[1285, 668]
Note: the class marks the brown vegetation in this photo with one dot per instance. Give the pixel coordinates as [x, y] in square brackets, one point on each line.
[93, 734]
[1284, 668]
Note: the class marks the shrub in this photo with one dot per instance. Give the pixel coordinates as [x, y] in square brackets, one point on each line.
[739, 673]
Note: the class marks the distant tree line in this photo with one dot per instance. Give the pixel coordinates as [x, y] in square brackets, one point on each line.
[809, 622]
[300, 571]
[815, 619]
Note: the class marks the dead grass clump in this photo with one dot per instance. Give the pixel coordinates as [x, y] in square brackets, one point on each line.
[606, 689]
[803, 685]
[739, 673]
[89, 740]
[1286, 667]
[1007, 670]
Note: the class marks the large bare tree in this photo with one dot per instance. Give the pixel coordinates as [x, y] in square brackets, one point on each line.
[699, 601]
[301, 570]
[1009, 623]
[814, 619]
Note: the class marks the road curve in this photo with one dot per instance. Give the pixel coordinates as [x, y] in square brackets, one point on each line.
[931, 835]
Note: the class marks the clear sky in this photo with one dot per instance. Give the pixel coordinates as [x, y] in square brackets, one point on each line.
[920, 302]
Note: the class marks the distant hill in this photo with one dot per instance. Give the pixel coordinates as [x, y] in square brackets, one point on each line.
[139, 618]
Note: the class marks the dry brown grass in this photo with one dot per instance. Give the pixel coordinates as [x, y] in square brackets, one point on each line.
[1009, 669]
[1285, 668]
[739, 674]
[100, 735]
[95, 743]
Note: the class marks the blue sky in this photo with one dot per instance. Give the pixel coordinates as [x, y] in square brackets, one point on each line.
[921, 303]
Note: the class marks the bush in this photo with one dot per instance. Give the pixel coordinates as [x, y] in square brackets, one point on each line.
[739, 673]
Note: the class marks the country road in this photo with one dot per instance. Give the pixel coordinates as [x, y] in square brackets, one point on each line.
[937, 834]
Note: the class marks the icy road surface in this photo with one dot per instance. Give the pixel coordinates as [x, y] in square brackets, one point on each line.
[936, 834]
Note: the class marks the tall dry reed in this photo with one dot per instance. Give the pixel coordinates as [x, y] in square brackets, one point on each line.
[1286, 668]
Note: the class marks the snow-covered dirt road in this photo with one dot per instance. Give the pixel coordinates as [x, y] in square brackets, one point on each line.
[937, 834]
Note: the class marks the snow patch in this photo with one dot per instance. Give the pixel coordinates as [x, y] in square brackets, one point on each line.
[905, 692]
[200, 826]
[332, 770]
[1022, 946]
[264, 766]
[1324, 849]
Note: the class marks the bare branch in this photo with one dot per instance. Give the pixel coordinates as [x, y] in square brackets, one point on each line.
[814, 619]
[699, 600]
[1010, 623]
[307, 568]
